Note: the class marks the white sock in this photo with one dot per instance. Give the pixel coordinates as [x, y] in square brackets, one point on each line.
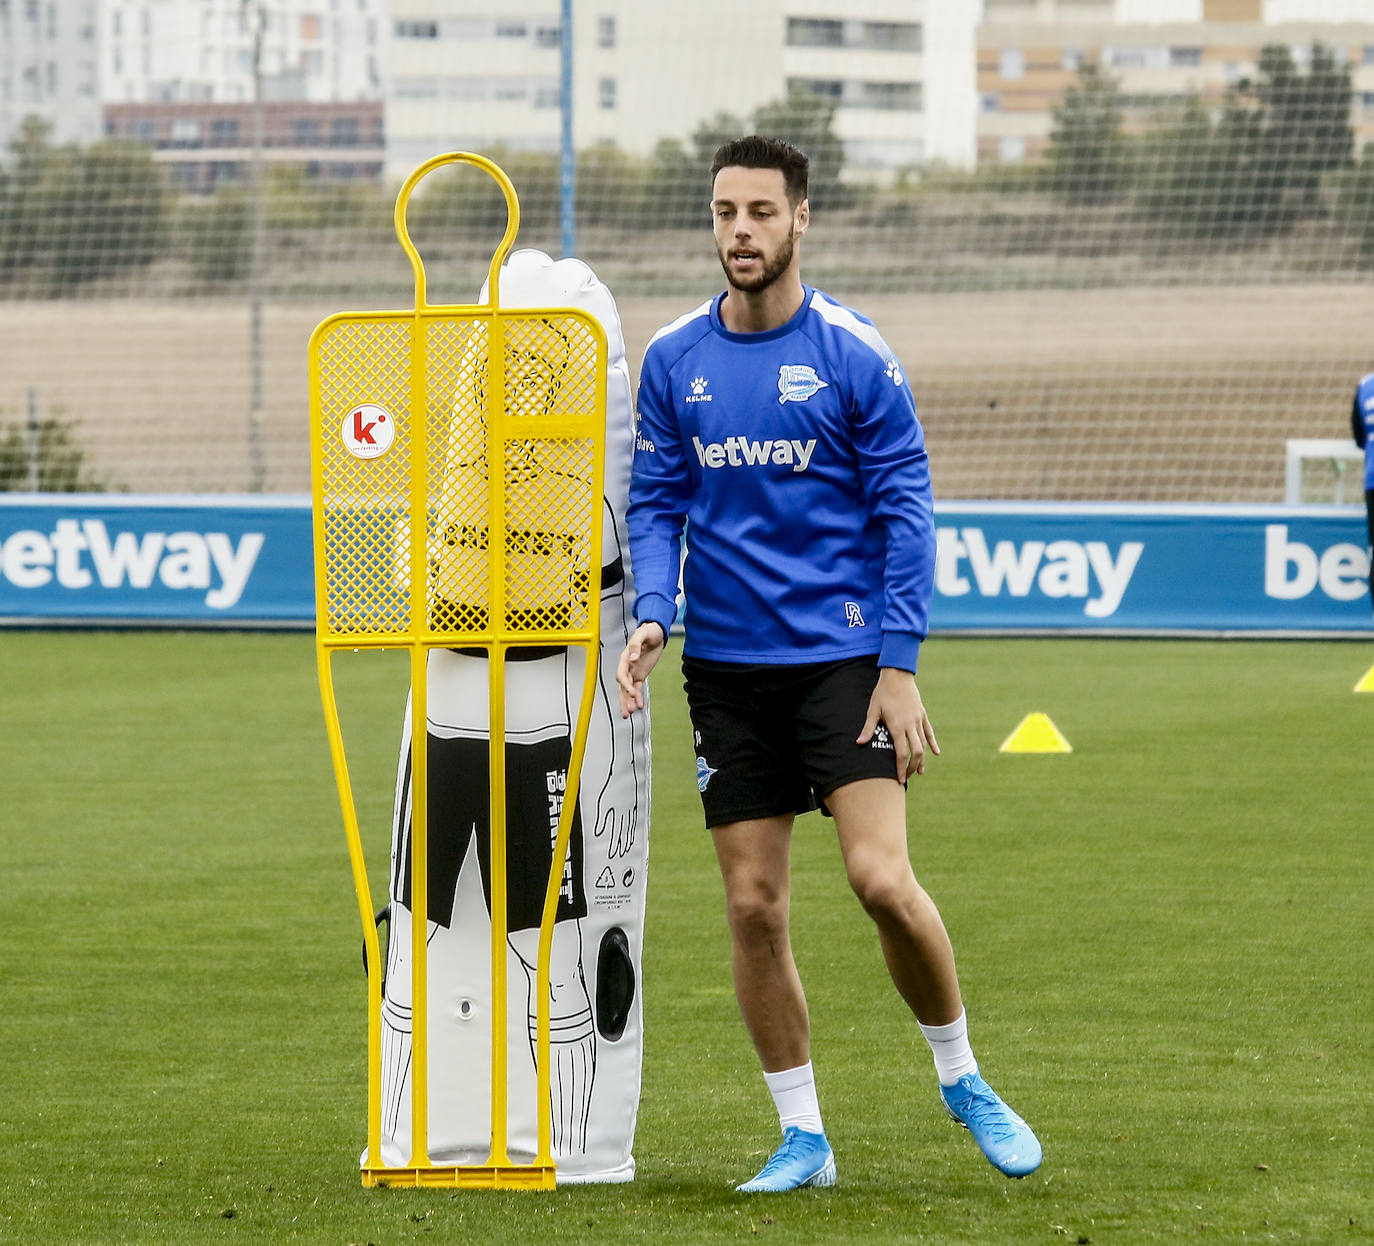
[950, 1046]
[794, 1093]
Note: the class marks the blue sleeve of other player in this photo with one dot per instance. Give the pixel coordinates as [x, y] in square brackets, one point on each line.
[891, 449]
[660, 492]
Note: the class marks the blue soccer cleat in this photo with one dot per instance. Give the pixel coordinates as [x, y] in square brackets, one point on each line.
[803, 1159]
[1002, 1136]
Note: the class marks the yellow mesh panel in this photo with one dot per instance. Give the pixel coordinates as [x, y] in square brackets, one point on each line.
[363, 363]
[458, 447]
[548, 444]
[550, 388]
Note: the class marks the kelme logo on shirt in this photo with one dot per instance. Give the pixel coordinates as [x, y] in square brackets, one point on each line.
[699, 394]
[744, 452]
[797, 382]
[894, 373]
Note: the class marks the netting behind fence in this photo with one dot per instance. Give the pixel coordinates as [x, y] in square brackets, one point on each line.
[1139, 314]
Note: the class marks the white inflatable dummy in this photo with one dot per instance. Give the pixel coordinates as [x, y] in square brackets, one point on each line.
[595, 1015]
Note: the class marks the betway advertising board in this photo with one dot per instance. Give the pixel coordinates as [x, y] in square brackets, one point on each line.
[167, 560]
[1004, 567]
[1151, 568]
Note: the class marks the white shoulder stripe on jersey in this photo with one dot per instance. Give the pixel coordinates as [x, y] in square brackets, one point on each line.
[843, 318]
[686, 318]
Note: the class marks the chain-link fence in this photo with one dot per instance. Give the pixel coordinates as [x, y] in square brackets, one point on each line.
[1143, 313]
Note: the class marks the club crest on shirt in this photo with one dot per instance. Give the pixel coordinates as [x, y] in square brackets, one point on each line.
[797, 382]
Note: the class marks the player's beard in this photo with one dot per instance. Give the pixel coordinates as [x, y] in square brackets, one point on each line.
[772, 269]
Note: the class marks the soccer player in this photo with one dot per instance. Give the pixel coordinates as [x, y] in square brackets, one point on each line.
[777, 426]
[1362, 426]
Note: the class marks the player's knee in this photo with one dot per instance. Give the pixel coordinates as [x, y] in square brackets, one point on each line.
[756, 911]
[887, 895]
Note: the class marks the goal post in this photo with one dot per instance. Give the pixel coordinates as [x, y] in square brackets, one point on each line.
[457, 465]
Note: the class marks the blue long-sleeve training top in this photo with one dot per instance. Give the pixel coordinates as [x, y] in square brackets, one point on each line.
[797, 463]
[1362, 425]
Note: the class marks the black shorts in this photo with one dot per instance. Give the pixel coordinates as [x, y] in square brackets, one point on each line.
[459, 808]
[778, 739]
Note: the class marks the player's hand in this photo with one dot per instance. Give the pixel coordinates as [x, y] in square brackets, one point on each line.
[896, 703]
[640, 657]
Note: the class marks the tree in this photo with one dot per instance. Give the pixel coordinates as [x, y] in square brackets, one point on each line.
[47, 453]
[1088, 153]
[217, 235]
[1212, 179]
[1354, 203]
[677, 190]
[462, 201]
[807, 121]
[610, 187]
[19, 209]
[75, 214]
[1307, 116]
[1256, 168]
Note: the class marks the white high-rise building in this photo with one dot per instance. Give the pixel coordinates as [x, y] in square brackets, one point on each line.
[202, 51]
[471, 74]
[62, 60]
[49, 67]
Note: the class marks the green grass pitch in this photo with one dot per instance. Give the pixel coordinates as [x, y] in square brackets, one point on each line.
[1164, 941]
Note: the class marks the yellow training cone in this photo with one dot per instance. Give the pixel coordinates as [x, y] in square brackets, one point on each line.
[1036, 734]
[1366, 683]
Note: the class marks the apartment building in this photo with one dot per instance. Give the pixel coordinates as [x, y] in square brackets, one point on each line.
[202, 51]
[49, 67]
[1158, 52]
[206, 145]
[62, 60]
[475, 73]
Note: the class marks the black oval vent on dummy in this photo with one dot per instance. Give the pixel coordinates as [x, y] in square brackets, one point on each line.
[615, 984]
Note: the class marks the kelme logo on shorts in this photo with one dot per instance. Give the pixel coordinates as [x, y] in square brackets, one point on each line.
[797, 382]
[704, 773]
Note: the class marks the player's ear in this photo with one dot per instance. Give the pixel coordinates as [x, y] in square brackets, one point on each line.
[803, 216]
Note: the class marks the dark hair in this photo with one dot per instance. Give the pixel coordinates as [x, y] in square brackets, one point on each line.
[756, 152]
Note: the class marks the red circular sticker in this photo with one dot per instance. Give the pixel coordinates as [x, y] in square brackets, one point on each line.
[368, 431]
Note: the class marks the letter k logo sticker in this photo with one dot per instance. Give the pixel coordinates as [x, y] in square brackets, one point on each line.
[368, 431]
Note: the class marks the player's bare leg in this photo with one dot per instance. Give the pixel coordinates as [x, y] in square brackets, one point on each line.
[754, 861]
[870, 819]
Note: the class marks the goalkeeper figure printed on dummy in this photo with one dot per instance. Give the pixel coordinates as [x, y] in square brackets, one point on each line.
[549, 496]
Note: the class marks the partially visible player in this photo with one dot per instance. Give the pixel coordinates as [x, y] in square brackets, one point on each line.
[1362, 426]
[777, 426]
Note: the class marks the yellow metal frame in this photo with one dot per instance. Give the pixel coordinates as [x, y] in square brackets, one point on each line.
[418, 636]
